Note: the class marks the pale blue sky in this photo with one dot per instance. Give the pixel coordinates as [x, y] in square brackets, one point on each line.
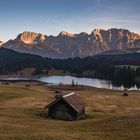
[52, 16]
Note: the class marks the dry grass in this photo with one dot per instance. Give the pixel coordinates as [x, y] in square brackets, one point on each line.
[108, 114]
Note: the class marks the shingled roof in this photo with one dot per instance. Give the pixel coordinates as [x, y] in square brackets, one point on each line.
[73, 100]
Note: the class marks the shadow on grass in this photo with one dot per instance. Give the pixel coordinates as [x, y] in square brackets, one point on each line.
[87, 117]
[28, 137]
[44, 115]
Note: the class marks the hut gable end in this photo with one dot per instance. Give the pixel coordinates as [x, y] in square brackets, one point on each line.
[69, 107]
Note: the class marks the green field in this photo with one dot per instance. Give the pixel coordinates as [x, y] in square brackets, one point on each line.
[109, 116]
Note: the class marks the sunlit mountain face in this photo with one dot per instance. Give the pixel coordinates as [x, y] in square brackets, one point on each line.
[1, 43]
[67, 28]
[66, 45]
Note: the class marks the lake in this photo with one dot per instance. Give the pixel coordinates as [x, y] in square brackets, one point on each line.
[106, 84]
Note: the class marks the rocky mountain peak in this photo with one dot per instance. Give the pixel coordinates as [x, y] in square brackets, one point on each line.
[83, 34]
[31, 37]
[97, 30]
[63, 33]
[1, 43]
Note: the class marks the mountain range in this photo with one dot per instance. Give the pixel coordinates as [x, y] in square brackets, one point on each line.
[65, 45]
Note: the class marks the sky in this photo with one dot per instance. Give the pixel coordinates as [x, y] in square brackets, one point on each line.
[50, 17]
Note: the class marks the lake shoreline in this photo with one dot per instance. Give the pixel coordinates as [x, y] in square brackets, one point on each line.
[67, 80]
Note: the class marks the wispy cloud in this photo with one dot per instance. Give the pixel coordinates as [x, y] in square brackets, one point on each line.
[111, 20]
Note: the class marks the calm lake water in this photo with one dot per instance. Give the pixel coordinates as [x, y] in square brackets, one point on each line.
[68, 80]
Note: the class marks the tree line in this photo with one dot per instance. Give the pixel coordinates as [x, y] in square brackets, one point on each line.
[100, 66]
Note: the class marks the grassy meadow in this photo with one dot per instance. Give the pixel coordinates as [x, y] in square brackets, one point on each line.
[109, 116]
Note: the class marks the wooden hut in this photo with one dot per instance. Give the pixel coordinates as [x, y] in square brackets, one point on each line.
[66, 107]
[125, 92]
